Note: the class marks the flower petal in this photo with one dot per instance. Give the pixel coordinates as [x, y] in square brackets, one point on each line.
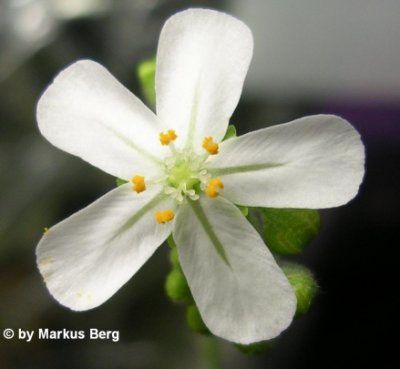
[87, 257]
[88, 113]
[241, 293]
[312, 162]
[202, 60]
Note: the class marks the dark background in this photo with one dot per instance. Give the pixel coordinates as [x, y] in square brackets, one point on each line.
[355, 258]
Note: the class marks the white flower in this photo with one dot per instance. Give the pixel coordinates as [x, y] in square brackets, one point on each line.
[186, 181]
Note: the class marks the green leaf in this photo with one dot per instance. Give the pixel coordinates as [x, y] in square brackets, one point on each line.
[120, 181]
[304, 285]
[289, 231]
[146, 73]
[194, 320]
[230, 132]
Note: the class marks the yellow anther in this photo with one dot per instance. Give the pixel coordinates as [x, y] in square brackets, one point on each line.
[166, 138]
[163, 217]
[172, 135]
[45, 230]
[213, 187]
[138, 184]
[210, 146]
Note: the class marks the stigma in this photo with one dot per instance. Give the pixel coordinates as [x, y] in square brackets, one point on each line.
[213, 187]
[163, 217]
[166, 138]
[139, 184]
[210, 146]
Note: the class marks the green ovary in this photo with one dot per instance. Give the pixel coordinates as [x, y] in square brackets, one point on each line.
[182, 174]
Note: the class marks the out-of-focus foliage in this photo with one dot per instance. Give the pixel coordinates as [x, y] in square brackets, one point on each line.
[146, 73]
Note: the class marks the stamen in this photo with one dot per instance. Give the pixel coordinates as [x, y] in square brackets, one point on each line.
[192, 195]
[45, 230]
[166, 138]
[138, 184]
[210, 146]
[213, 187]
[163, 217]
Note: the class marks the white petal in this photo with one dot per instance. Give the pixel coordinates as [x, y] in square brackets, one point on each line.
[202, 60]
[88, 113]
[312, 162]
[241, 293]
[87, 257]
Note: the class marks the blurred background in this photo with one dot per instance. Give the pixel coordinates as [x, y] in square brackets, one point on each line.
[311, 56]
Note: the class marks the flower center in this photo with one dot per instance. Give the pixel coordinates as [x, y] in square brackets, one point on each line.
[185, 175]
[181, 174]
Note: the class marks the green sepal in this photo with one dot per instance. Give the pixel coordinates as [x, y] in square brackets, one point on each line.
[304, 285]
[256, 348]
[194, 320]
[289, 231]
[243, 209]
[230, 132]
[176, 287]
[146, 73]
[120, 181]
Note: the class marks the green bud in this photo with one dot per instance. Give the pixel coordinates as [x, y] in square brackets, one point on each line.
[289, 231]
[120, 181]
[176, 287]
[194, 320]
[256, 348]
[146, 73]
[304, 286]
[230, 132]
